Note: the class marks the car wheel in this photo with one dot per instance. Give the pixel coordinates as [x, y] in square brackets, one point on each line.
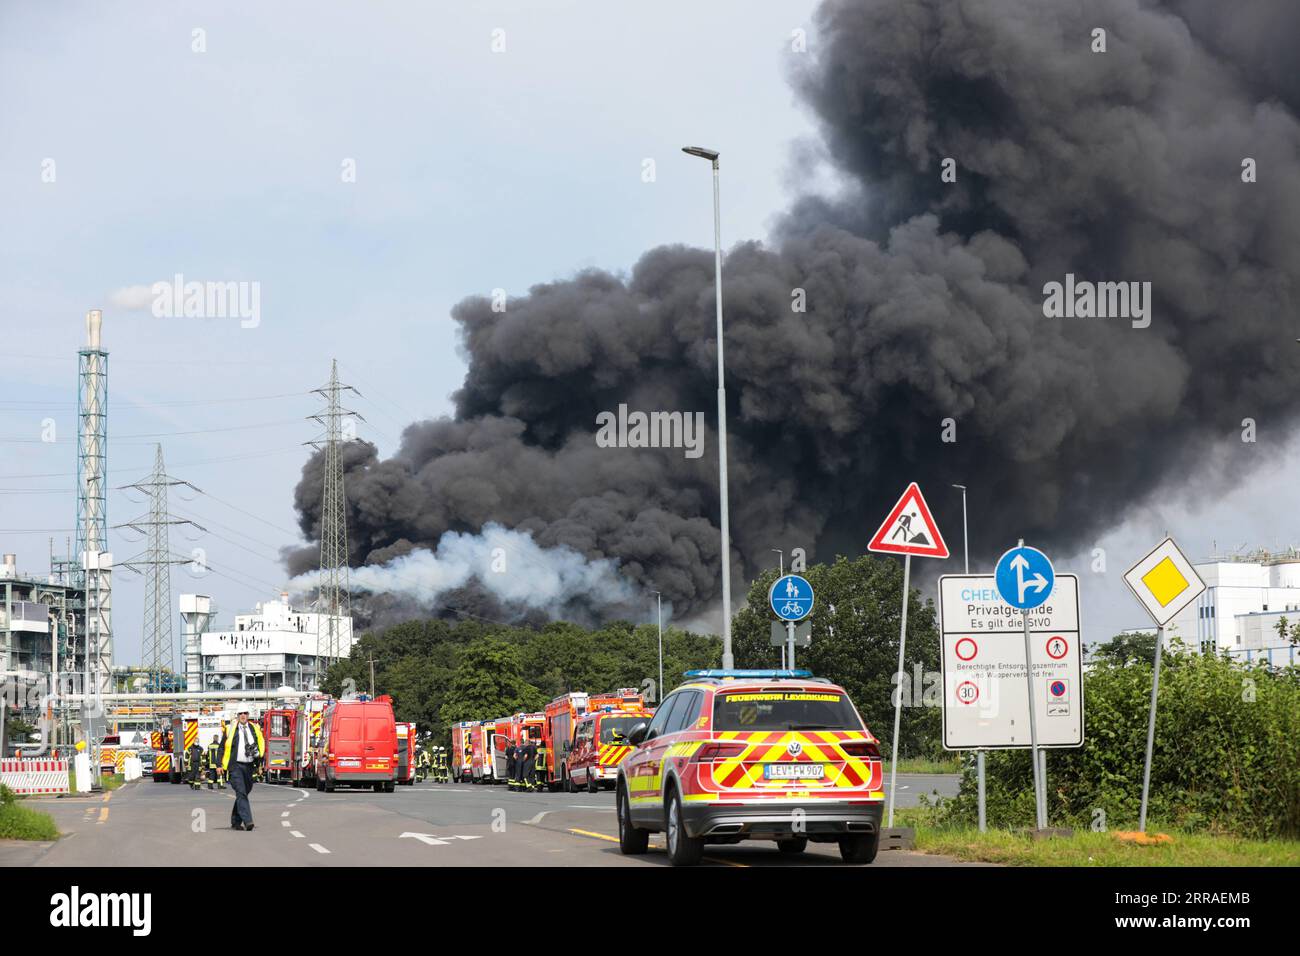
[794, 845]
[859, 849]
[630, 840]
[389, 787]
[683, 850]
[592, 785]
[566, 783]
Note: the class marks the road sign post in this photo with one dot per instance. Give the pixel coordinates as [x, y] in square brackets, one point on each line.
[1164, 582]
[1024, 579]
[898, 535]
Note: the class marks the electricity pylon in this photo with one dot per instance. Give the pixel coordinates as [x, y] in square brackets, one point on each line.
[155, 563]
[333, 602]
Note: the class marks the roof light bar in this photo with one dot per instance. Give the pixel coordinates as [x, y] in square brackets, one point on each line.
[756, 674]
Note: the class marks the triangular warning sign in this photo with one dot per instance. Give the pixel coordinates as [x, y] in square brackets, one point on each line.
[910, 529]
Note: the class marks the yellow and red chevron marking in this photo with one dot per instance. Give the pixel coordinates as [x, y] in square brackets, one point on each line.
[162, 763]
[611, 755]
[316, 718]
[119, 760]
[191, 733]
[745, 771]
[155, 740]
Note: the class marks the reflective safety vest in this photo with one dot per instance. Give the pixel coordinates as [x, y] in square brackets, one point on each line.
[232, 748]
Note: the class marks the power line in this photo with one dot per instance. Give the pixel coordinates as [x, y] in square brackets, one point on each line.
[192, 464]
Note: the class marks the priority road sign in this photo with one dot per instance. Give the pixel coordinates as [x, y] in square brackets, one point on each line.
[983, 659]
[791, 598]
[1024, 577]
[909, 528]
[1164, 582]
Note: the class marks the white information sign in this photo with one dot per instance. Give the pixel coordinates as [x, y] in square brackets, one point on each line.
[984, 697]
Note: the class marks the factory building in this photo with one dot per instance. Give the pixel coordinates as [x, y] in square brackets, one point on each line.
[1244, 598]
[274, 646]
[42, 631]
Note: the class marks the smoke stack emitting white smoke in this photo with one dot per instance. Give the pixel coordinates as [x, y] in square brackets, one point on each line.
[509, 564]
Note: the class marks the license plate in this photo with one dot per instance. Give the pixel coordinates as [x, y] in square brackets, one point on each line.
[349, 763]
[794, 771]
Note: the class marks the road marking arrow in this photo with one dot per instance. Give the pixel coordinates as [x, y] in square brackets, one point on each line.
[428, 838]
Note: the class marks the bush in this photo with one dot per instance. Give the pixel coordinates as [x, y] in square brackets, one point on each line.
[1226, 756]
[22, 823]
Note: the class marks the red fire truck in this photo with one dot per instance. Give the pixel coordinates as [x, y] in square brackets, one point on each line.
[599, 739]
[482, 736]
[407, 751]
[515, 730]
[561, 721]
[284, 729]
[461, 738]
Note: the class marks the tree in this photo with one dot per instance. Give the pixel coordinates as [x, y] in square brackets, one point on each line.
[489, 682]
[1123, 649]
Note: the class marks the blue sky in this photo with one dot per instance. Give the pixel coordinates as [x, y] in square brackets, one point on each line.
[475, 170]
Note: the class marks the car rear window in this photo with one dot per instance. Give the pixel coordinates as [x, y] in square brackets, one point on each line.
[801, 709]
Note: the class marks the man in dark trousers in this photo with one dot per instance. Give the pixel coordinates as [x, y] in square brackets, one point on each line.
[526, 772]
[244, 750]
[194, 762]
[510, 764]
[213, 754]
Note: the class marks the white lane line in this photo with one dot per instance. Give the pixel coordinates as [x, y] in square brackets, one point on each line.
[297, 834]
[318, 848]
[285, 813]
[537, 819]
[285, 823]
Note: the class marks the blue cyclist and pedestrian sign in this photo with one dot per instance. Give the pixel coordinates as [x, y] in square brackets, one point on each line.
[791, 598]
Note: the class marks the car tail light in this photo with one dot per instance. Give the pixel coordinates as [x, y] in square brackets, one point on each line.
[718, 751]
[861, 748]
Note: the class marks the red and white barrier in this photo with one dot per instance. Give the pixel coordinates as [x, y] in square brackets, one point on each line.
[35, 776]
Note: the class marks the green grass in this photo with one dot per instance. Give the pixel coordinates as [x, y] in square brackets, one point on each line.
[113, 782]
[1087, 848]
[23, 823]
[924, 765]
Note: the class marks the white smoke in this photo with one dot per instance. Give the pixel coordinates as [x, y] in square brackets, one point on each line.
[508, 564]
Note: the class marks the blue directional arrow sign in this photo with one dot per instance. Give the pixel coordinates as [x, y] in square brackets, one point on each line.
[1024, 577]
[791, 598]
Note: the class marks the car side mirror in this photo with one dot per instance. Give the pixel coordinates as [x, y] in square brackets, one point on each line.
[637, 733]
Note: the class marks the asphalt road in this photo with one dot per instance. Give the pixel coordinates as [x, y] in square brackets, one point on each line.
[157, 824]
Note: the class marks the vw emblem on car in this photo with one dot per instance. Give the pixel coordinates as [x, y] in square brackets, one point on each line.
[794, 748]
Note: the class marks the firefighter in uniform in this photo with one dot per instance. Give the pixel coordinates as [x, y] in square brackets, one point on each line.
[528, 763]
[539, 769]
[422, 765]
[214, 757]
[441, 768]
[512, 762]
[194, 764]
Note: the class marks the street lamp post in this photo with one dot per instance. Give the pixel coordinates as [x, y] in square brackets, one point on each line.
[728, 661]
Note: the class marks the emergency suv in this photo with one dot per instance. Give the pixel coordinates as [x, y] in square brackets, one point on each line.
[737, 755]
[599, 745]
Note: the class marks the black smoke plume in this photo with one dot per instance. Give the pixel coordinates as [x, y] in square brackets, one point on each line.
[923, 302]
